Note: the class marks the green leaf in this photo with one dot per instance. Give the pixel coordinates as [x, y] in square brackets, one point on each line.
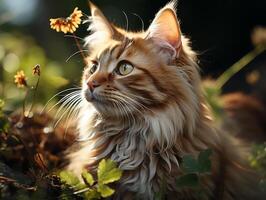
[92, 194]
[88, 178]
[105, 190]
[190, 164]
[69, 178]
[2, 103]
[159, 195]
[188, 180]
[108, 172]
[204, 161]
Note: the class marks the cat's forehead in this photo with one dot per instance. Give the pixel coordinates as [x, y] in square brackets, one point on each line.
[114, 50]
[134, 50]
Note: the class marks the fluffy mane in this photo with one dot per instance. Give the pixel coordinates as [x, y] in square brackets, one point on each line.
[173, 120]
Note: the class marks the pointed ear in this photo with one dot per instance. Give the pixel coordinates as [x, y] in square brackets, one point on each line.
[101, 29]
[165, 28]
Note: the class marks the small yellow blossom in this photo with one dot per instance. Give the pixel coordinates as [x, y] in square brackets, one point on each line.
[36, 70]
[69, 24]
[20, 79]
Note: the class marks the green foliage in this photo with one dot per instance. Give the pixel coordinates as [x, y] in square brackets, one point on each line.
[71, 179]
[194, 169]
[188, 180]
[108, 172]
[258, 161]
[14, 56]
[200, 165]
[88, 178]
[90, 188]
[204, 161]
[212, 94]
[4, 124]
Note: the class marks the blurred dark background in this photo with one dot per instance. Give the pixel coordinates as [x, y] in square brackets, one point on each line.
[220, 31]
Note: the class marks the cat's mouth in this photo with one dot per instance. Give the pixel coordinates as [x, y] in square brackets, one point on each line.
[95, 98]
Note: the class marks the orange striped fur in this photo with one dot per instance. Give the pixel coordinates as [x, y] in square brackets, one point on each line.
[148, 119]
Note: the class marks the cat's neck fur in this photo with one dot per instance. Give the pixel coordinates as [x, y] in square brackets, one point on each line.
[147, 147]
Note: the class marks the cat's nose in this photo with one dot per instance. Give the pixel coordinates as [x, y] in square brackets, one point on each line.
[93, 84]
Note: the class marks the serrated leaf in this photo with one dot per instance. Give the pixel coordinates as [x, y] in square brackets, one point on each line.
[92, 194]
[105, 190]
[69, 178]
[88, 178]
[190, 164]
[188, 180]
[204, 161]
[108, 172]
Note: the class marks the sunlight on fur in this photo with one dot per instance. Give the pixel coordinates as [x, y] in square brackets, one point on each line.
[142, 106]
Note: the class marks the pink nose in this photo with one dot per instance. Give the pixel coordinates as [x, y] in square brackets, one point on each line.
[93, 84]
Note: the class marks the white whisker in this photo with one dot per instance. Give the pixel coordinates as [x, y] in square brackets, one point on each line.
[63, 99]
[56, 96]
[69, 104]
[66, 101]
[77, 52]
[71, 113]
[142, 22]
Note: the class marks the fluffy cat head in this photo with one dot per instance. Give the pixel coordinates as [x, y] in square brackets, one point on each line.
[150, 74]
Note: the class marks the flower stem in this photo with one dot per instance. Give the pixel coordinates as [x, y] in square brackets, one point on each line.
[24, 104]
[231, 71]
[80, 49]
[34, 96]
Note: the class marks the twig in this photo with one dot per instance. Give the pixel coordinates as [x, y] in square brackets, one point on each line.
[4, 179]
[80, 49]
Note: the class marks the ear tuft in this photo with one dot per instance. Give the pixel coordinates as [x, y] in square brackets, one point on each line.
[101, 29]
[165, 27]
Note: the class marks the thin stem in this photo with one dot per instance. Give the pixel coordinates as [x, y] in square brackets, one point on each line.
[80, 49]
[231, 71]
[24, 105]
[34, 96]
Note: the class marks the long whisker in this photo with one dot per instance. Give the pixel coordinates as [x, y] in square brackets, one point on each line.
[133, 101]
[138, 103]
[126, 20]
[63, 99]
[65, 105]
[71, 113]
[118, 104]
[134, 104]
[66, 102]
[69, 104]
[86, 15]
[74, 36]
[127, 107]
[142, 22]
[56, 96]
[77, 52]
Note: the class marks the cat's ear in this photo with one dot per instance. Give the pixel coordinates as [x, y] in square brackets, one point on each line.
[100, 28]
[165, 28]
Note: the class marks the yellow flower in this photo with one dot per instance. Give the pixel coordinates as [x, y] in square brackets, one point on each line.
[20, 79]
[69, 24]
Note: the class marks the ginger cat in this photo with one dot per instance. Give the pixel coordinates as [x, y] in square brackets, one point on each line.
[143, 107]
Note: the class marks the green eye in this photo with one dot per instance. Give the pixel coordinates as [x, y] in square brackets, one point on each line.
[93, 67]
[124, 68]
